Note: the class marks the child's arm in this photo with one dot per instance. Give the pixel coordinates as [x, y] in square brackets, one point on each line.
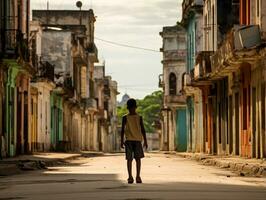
[143, 133]
[123, 131]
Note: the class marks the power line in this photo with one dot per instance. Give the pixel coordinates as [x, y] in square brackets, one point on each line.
[126, 45]
[139, 86]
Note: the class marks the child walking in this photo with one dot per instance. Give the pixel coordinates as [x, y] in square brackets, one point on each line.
[134, 132]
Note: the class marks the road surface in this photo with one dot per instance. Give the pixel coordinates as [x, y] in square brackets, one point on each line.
[103, 176]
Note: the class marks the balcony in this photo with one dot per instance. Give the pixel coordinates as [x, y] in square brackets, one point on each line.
[189, 5]
[241, 45]
[202, 69]
[68, 86]
[93, 52]
[107, 93]
[14, 45]
[46, 71]
[106, 89]
[174, 55]
[174, 100]
[79, 51]
[89, 103]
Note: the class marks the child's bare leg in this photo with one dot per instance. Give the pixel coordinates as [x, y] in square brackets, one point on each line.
[129, 168]
[138, 165]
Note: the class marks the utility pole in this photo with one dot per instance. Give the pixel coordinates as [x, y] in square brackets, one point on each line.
[47, 13]
[79, 5]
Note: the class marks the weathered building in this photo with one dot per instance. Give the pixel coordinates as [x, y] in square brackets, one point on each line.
[42, 85]
[16, 71]
[230, 72]
[173, 135]
[192, 21]
[69, 46]
[110, 91]
[107, 102]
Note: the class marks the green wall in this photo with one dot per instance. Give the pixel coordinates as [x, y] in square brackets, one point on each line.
[56, 119]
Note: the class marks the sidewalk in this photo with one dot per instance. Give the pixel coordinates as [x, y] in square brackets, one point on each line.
[242, 166]
[36, 161]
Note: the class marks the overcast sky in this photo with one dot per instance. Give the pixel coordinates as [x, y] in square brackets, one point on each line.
[135, 23]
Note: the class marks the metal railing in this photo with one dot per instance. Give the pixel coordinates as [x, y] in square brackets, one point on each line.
[89, 103]
[92, 50]
[46, 71]
[202, 68]
[225, 51]
[14, 45]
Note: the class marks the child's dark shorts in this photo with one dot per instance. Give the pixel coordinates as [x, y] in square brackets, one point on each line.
[134, 150]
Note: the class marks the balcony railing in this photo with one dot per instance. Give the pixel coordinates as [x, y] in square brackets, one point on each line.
[202, 68]
[239, 46]
[93, 51]
[89, 103]
[79, 51]
[14, 45]
[68, 83]
[46, 71]
[107, 92]
[174, 55]
[106, 89]
[188, 4]
[175, 99]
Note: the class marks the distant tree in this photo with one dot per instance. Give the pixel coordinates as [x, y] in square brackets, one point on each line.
[148, 108]
[121, 111]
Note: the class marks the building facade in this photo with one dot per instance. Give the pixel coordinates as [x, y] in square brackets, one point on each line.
[69, 47]
[173, 135]
[229, 72]
[16, 72]
[107, 92]
[192, 22]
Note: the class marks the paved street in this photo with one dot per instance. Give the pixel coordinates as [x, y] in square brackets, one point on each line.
[98, 176]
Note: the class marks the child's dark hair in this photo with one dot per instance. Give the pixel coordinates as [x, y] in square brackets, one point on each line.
[131, 103]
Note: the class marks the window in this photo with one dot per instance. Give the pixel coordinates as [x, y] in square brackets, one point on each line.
[172, 84]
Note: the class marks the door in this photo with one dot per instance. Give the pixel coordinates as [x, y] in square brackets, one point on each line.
[255, 145]
[19, 123]
[26, 124]
[210, 125]
[230, 123]
[237, 124]
[245, 111]
[190, 124]
[181, 130]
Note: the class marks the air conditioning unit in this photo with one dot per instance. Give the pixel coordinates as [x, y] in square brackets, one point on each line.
[246, 37]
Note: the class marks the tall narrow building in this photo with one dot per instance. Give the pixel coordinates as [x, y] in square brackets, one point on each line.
[173, 135]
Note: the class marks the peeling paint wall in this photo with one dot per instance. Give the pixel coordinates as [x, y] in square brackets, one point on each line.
[56, 48]
[67, 17]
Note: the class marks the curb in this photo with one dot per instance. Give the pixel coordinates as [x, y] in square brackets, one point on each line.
[241, 168]
[13, 167]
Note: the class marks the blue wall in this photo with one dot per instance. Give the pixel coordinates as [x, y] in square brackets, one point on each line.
[181, 130]
[191, 42]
